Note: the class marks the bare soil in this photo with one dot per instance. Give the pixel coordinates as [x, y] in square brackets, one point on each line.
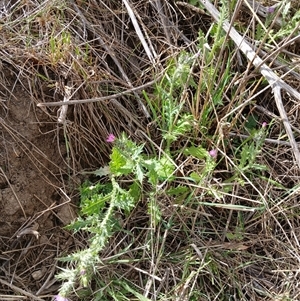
[33, 207]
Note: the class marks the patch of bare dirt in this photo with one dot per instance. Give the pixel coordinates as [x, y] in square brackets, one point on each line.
[33, 203]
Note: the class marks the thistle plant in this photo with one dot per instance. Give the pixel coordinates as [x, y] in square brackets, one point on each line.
[101, 202]
[168, 107]
[250, 149]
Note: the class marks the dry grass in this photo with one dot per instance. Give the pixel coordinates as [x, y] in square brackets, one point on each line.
[208, 248]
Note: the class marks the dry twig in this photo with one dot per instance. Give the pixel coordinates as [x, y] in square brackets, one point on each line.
[104, 98]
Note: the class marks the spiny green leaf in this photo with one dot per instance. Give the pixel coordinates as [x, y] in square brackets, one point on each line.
[197, 152]
[195, 176]
[119, 165]
[159, 169]
[135, 191]
[139, 173]
[124, 200]
[102, 171]
[95, 204]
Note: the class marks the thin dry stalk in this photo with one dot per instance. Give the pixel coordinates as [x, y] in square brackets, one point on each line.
[96, 99]
[135, 23]
[20, 291]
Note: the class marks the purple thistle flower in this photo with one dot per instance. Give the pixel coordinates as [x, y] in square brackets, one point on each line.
[270, 9]
[264, 124]
[213, 153]
[110, 138]
[60, 298]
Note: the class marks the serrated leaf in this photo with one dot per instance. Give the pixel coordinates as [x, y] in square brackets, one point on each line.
[160, 169]
[119, 165]
[196, 177]
[139, 173]
[124, 200]
[102, 171]
[184, 124]
[164, 168]
[259, 167]
[135, 191]
[176, 191]
[95, 204]
[197, 152]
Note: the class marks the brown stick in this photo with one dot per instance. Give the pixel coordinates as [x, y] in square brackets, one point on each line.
[103, 98]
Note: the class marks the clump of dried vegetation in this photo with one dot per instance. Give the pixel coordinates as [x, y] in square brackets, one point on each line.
[220, 107]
